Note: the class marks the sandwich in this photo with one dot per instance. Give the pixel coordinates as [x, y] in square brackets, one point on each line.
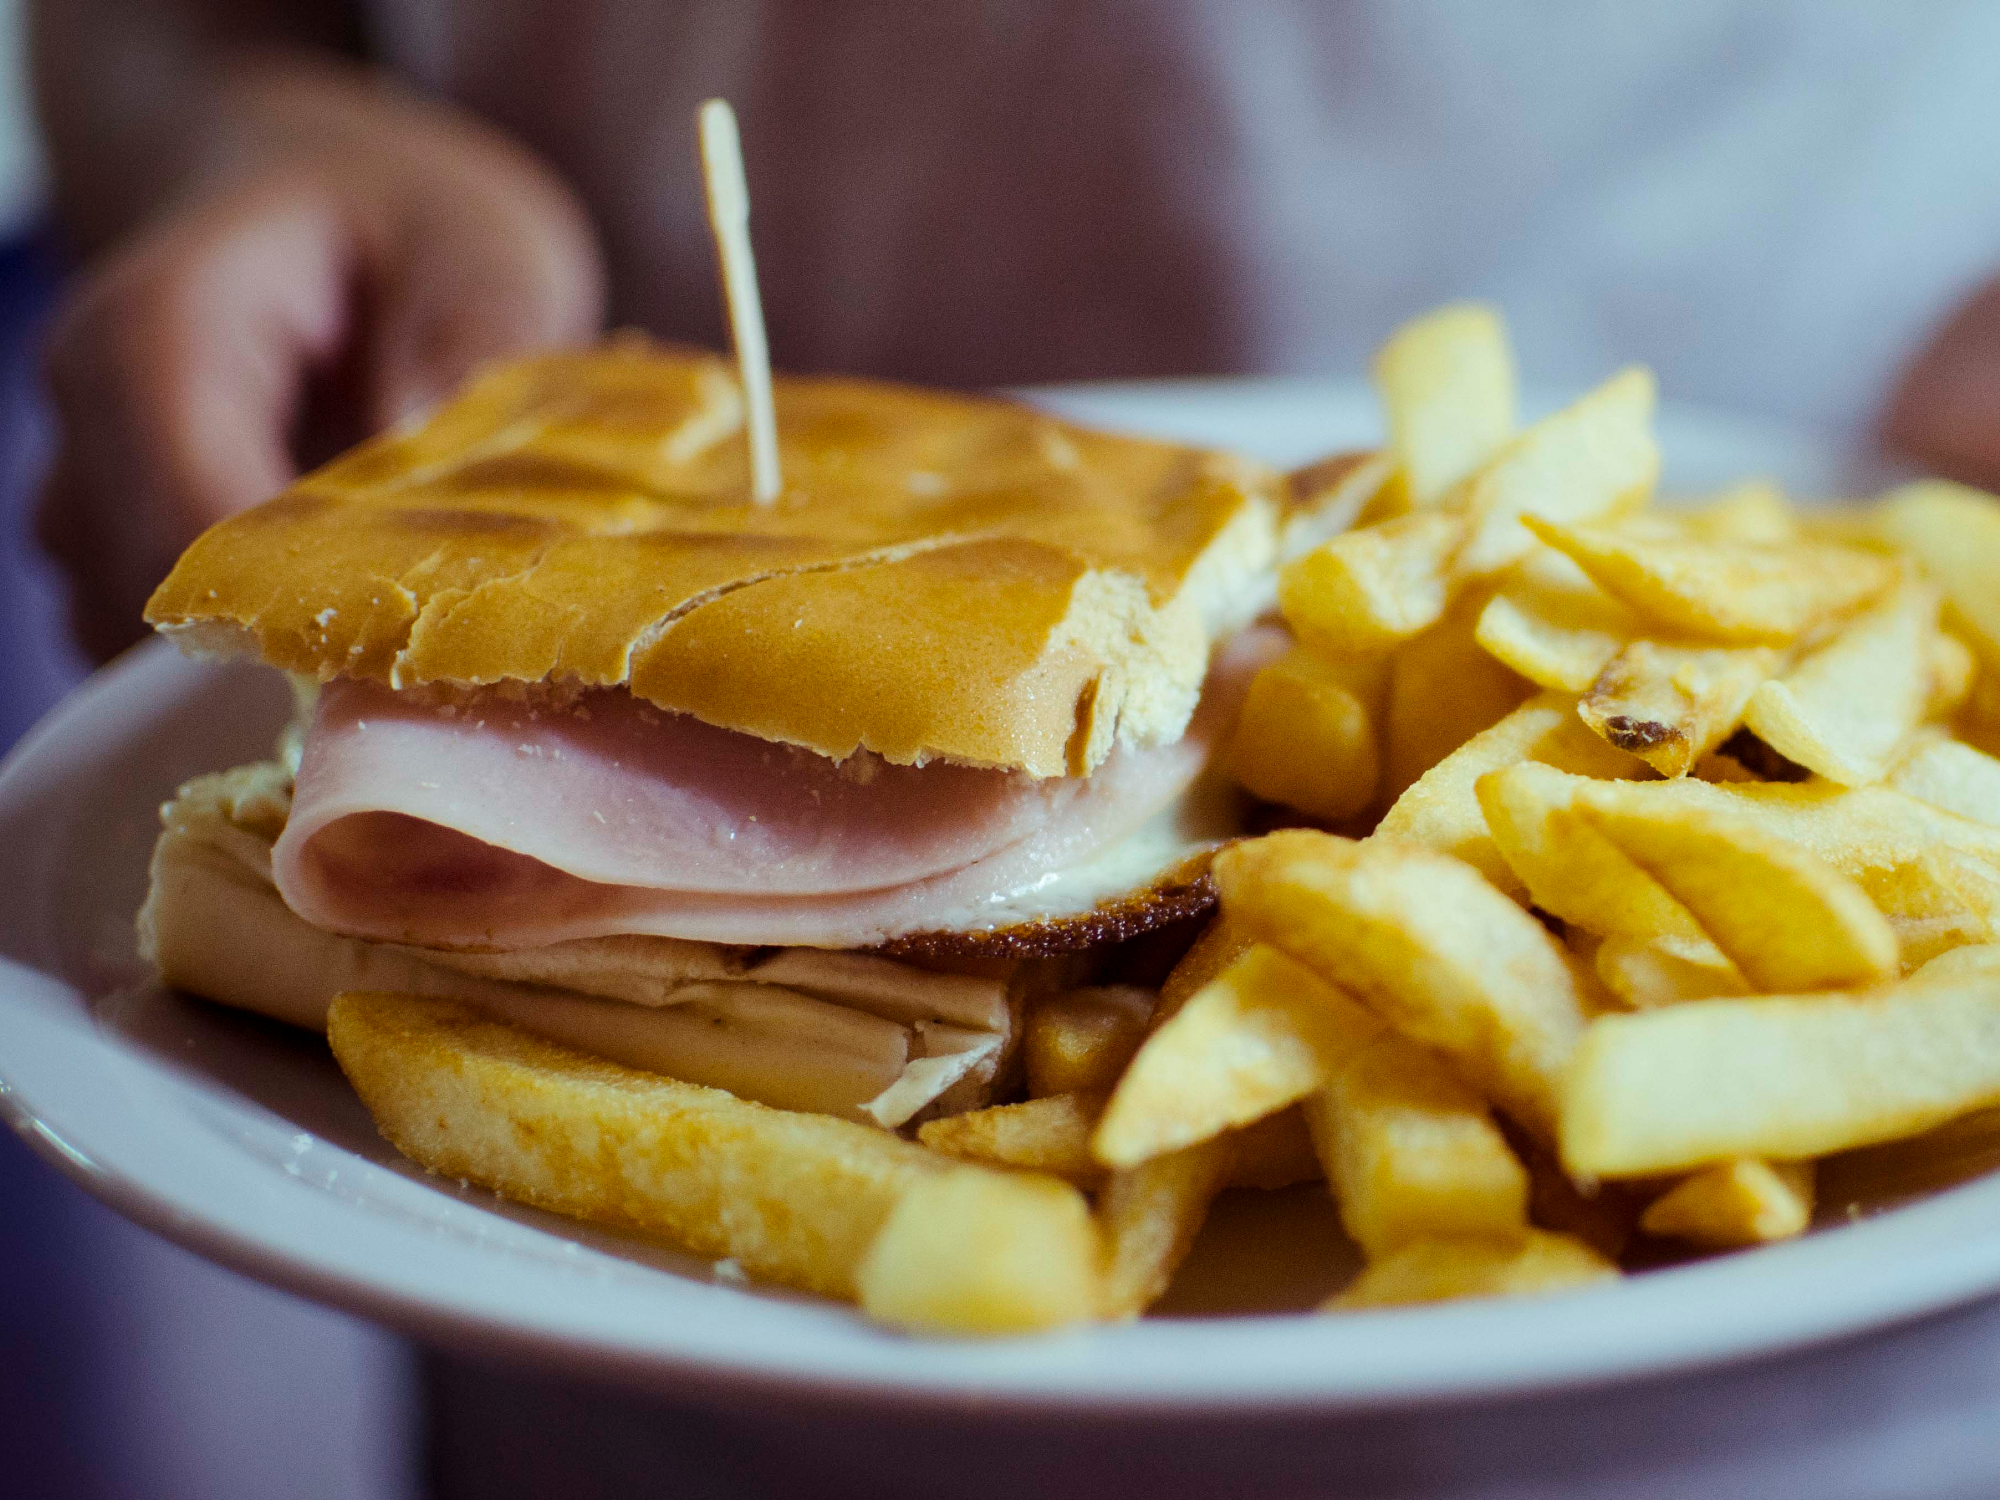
[805, 801]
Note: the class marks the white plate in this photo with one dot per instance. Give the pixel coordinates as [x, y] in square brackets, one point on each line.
[239, 1139]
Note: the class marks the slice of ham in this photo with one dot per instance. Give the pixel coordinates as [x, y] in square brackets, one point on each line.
[494, 825]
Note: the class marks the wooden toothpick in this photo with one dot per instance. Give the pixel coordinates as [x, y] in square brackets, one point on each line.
[729, 217]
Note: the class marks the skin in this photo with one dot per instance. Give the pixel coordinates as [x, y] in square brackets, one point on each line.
[286, 251]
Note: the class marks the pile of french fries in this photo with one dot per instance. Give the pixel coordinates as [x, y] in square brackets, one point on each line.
[1653, 858]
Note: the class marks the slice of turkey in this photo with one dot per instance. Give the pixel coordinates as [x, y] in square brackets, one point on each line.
[505, 825]
[836, 1033]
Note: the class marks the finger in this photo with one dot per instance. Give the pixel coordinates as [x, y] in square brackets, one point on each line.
[176, 373]
[1946, 414]
[508, 267]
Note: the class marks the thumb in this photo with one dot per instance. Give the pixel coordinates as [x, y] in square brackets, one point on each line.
[498, 267]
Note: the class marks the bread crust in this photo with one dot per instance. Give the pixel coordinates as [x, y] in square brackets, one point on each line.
[944, 576]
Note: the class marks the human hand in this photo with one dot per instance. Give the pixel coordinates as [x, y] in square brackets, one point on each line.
[1946, 414]
[339, 264]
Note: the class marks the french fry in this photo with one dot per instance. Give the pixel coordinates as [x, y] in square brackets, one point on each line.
[1953, 676]
[1554, 626]
[1411, 1152]
[1306, 739]
[1954, 531]
[1441, 810]
[1332, 494]
[1950, 774]
[1735, 1203]
[1847, 709]
[1443, 689]
[1050, 1134]
[795, 1198]
[1754, 511]
[1742, 592]
[1263, 1034]
[1787, 919]
[1942, 900]
[1861, 831]
[1971, 960]
[973, 1251]
[1571, 869]
[1534, 1264]
[1079, 1041]
[1148, 1217]
[1221, 943]
[1670, 705]
[1784, 1077]
[1422, 939]
[1447, 384]
[1366, 590]
[1596, 457]
[1648, 972]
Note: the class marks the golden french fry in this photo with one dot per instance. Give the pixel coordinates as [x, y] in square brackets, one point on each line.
[1441, 810]
[1648, 972]
[1596, 457]
[1786, 918]
[1744, 592]
[1863, 832]
[1443, 689]
[1049, 1135]
[1954, 673]
[1447, 384]
[1263, 1034]
[795, 1198]
[1305, 739]
[1847, 709]
[1942, 900]
[1784, 1077]
[1670, 705]
[1534, 1264]
[1950, 774]
[1954, 532]
[1221, 943]
[1735, 1203]
[1754, 511]
[1410, 1151]
[973, 1251]
[1332, 494]
[1052, 1136]
[1079, 1041]
[1147, 1218]
[1553, 625]
[1964, 962]
[1365, 590]
[1571, 869]
[1422, 939]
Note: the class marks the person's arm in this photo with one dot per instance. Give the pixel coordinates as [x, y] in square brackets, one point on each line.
[287, 251]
